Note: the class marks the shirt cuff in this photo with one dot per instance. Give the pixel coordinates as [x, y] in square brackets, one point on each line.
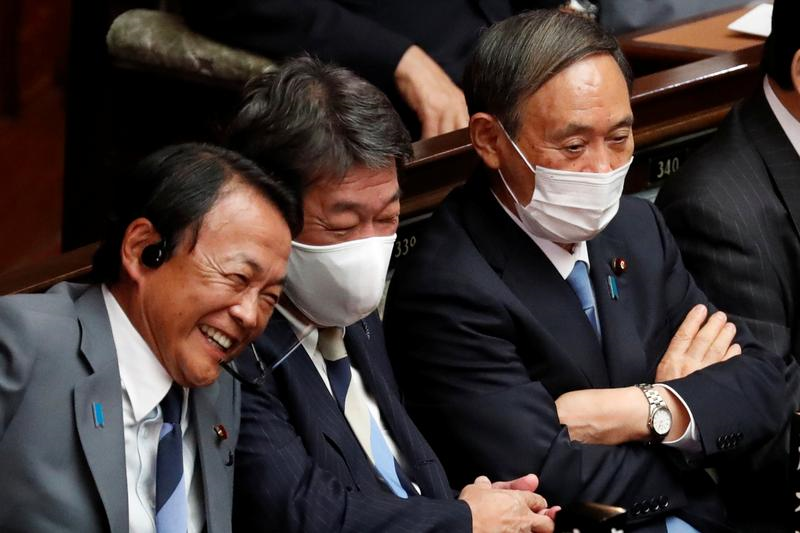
[689, 442]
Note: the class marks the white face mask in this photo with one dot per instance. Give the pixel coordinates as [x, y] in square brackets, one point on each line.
[569, 206]
[338, 284]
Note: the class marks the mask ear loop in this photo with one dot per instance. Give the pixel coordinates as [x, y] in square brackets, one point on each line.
[521, 155]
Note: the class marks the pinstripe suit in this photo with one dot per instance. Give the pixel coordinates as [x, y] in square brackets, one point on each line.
[734, 210]
[299, 466]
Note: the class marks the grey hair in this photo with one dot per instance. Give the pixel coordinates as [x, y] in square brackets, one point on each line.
[515, 57]
[309, 120]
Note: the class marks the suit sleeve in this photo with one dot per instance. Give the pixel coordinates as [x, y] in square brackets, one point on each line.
[279, 487]
[476, 389]
[485, 412]
[18, 355]
[323, 28]
[737, 404]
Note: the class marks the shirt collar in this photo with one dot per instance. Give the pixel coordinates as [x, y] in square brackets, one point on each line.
[790, 125]
[562, 260]
[143, 377]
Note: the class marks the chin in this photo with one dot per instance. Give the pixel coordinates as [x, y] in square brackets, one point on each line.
[203, 378]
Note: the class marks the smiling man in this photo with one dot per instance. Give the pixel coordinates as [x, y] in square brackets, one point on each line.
[326, 445]
[112, 416]
[543, 323]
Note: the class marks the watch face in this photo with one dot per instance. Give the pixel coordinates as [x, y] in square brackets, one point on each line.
[662, 421]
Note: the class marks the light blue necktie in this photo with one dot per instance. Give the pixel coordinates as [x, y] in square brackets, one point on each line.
[171, 504]
[579, 280]
[676, 525]
[352, 402]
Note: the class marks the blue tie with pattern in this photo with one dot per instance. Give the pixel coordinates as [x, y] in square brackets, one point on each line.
[579, 280]
[171, 504]
[352, 402]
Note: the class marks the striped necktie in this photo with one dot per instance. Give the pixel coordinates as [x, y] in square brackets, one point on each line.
[171, 504]
[353, 403]
[579, 280]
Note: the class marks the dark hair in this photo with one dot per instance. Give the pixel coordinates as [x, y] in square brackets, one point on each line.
[515, 57]
[174, 188]
[783, 43]
[308, 121]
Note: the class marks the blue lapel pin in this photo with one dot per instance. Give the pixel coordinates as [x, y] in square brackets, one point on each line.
[612, 287]
[97, 412]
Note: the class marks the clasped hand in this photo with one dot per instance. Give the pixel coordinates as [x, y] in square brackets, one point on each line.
[508, 506]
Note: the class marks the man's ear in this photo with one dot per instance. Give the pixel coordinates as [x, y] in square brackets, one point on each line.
[795, 70]
[484, 131]
[139, 235]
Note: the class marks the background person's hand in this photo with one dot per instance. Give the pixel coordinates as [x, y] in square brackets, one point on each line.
[429, 91]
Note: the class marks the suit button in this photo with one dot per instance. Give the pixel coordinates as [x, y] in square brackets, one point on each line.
[739, 436]
[349, 488]
[662, 501]
[720, 442]
[637, 508]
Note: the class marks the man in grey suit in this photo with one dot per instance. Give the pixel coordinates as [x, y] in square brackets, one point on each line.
[735, 211]
[111, 414]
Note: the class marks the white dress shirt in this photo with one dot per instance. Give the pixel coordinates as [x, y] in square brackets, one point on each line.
[790, 124]
[309, 343]
[564, 262]
[144, 385]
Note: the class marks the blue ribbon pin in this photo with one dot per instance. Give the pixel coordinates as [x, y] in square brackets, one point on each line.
[97, 412]
[612, 287]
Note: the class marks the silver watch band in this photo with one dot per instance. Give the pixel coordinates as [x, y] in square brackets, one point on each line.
[656, 402]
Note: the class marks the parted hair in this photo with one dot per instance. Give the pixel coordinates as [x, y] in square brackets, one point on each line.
[174, 188]
[309, 120]
[783, 42]
[518, 55]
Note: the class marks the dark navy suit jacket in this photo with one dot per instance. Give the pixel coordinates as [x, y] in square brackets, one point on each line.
[299, 466]
[485, 334]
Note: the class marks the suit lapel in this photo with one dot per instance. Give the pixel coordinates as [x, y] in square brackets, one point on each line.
[365, 346]
[215, 454]
[533, 279]
[624, 353]
[299, 372]
[103, 446]
[778, 154]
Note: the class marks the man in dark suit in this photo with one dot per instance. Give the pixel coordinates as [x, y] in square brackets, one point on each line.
[111, 414]
[413, 50]
[543, 324]
[734, 210]
[325, 444]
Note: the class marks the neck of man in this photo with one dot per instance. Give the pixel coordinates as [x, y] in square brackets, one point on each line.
[789, 98]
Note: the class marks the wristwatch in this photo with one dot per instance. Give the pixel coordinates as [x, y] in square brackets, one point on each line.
[660, 419]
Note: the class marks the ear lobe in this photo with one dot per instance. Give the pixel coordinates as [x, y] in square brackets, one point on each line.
[139, 235]
[483, 132]
[796, 72]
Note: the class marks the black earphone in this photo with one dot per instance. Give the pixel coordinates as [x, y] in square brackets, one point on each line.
[153, 256]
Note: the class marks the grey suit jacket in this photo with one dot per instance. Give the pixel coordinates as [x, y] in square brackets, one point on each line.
[620, 16]
[61, 470]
